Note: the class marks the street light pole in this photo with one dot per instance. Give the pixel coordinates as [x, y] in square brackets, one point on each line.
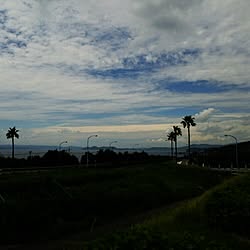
[236, 149]
[88, 148]
[135, 145]
[112, 143]
[61, 144]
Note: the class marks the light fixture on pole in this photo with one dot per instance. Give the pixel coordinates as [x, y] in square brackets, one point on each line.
[112, 143]
[236, 149]
[88, 148]
[61, 144]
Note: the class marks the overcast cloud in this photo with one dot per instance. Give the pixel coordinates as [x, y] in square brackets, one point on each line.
[71, 67]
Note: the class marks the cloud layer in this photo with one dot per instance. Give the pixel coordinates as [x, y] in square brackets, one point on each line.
[79, 66]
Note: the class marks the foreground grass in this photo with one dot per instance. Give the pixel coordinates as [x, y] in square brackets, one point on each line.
[218, 219]
[53, 204]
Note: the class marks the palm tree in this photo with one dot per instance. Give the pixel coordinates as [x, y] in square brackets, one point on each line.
[11, 134]
[188, 121]
[177, 132]
[171, 138]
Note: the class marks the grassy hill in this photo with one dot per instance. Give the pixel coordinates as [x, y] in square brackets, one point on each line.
[225, 156]
[218, 219]
[49, 205]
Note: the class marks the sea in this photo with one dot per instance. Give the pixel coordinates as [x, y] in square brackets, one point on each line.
[24, 151]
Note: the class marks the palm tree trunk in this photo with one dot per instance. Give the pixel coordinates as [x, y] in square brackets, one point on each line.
[172, 149]
[189, 149]
[13, 148]
[176, 149]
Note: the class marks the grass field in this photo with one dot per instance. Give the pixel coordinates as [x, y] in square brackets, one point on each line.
[218, 219]
[49, 205]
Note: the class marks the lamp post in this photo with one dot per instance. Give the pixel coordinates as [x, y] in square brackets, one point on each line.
[112, 143]
[88, 148]
[135, 147]
[236, 149]
[61, 144]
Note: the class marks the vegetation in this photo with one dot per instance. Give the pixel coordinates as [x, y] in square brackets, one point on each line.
[103, 158]
[171, 138]
[188, 121]
[177, 132]
[223, 157]
[12, 134]
[52, 204]
[49, 159]
[228, 206]
[218, 219]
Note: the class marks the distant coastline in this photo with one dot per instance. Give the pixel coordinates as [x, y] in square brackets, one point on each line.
[23, 151]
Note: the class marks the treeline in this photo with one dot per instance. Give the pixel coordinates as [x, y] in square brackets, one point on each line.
[112, 158]
[50, 158]
[63, 158]
[224, 157]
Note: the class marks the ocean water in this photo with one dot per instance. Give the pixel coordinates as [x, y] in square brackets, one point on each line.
[26, 151]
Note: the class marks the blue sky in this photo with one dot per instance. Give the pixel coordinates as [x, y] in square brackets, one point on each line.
[125, 70]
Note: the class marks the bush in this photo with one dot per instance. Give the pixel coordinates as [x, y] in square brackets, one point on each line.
[57, 158]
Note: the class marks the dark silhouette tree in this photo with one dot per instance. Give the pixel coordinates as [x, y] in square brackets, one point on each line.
[177, 132]
[59, 158]
[188, 121]
[12, 134]
[171, 138]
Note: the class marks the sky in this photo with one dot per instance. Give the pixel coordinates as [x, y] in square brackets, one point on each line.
[126, 70]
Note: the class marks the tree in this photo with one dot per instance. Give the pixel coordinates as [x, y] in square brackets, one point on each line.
[12, 134]
[171, 138]
[177, 132]
[58, 158]
[188, 121]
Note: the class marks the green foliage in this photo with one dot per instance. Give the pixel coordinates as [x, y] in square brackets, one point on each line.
[228, 207]
[224, 156]
[148, 238]
[43, 205]
[55, 158]
[191, 224]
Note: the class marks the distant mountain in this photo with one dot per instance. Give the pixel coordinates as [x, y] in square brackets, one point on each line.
[226, 155]
[205, 146]
[242, 146]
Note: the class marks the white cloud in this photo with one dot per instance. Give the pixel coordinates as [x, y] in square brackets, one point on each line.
[47, 79]
[204, 115]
